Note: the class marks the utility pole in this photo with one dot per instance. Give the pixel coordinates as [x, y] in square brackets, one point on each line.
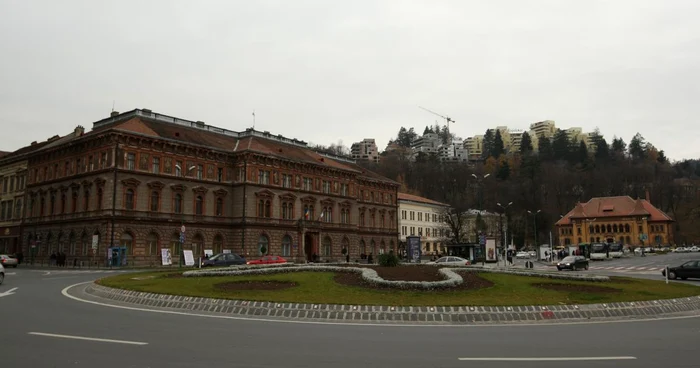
[505, 232]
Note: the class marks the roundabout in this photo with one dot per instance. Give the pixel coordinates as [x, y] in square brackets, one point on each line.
[423, 295]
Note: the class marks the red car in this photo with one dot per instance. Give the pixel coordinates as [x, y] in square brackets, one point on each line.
[268, 260]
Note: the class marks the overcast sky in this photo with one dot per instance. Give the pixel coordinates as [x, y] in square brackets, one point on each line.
[325, 71]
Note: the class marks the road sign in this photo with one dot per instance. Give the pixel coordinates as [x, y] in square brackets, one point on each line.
[182, 229]
[643, 237]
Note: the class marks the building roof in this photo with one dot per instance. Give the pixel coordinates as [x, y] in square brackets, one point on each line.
[11, 156]
[418, 199]
[145, 122]
[614, 207]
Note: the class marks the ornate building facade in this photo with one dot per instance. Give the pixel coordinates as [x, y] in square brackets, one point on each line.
[131, 183]
[621, 220]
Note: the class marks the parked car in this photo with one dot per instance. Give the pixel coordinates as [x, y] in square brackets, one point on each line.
[8, 261]
[522, 255]
[690, 269]
[573, 263]
[2, 274]
[224, 259]
[694, 248]
[679, 250]
[451, 261]
[268, 260]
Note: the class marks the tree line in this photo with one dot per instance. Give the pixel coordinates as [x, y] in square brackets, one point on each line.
[551, 179]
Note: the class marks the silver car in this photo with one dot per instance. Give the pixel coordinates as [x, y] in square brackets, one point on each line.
[451, 261]
[8, 261]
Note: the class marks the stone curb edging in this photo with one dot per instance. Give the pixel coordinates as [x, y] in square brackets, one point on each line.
[455, 315]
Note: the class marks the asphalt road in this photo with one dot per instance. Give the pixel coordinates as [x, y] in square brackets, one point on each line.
[146, 339]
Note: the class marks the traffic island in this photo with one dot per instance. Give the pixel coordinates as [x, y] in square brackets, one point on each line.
[327, 295]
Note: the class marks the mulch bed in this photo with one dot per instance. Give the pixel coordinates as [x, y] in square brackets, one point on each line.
[471, 281]
[577, 288]
[254, 285]
[405, 273]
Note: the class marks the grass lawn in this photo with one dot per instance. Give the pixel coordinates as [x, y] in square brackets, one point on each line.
[319, 287]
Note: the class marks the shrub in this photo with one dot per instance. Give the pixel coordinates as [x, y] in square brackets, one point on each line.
[388, 260]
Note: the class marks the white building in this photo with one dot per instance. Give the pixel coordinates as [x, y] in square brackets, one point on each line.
[428, 143]
[454, 151]
[425, 218]
[365, 150]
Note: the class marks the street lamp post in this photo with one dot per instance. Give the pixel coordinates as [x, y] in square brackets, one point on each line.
[505, 233]
[480, 182]
[534, 216]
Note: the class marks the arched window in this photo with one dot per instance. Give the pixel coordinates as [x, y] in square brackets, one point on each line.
[372, 247]
[48, 247]
[85, 244]
[71, 244]
[218, 244]
[286, 246]
[597, 229]
[362, 218]
[609, 228]
[627, 228]
[326, 247]
[42, 206]
[621, 228]
[263, 245]
[63, 203]
[268, 208]
[363, 247]
[177, 203]
[127, 241]
[382, 246]
[309, 212]
[592, 239]
[52, 204]
[345, 244]
[99, 198]
[152, 244]
[328, 214]
[219, 206]
[197, 244]
[199, 205]
[61, 241]
[74, 202]
[614, 228]
[18, 209]
[628, 240]
[580, 241]
[129, 199]
[591, 229]
[86, 200]
[597, 239]
[155, 201]
[174, 243]
[392, 247]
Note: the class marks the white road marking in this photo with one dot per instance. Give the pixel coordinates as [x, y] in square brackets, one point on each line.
[550, 359]
[10, 273]
[87, 338]
[527, 325]
[8, 293]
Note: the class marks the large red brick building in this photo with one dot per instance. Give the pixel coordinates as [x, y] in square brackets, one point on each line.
[137, 177]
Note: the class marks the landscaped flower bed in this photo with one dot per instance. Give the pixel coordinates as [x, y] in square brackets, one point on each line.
[369, 274]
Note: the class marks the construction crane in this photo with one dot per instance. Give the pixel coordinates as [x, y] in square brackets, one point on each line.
[448, 119]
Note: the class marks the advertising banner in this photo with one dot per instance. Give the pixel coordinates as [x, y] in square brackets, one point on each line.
[491, 251]
[413, 249]
[208, 252]
[189, 257]
[166, 257]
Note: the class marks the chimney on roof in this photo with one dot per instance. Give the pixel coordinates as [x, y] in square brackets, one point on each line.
[79, 131]
[33, 143]
[648, 196]
[113, 114]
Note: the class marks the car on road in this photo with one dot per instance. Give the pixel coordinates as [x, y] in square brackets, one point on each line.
[573, 263]
[680, 250]
[268, 260]
[224, 259]
[451, 261]
[8, 261]
[694, 248]
[2, 274]
[522, 255]
[690, 269]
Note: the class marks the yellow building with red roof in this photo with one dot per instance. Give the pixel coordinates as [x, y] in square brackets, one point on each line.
[621, 220]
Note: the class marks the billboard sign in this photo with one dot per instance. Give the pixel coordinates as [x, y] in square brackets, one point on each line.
[413, 248]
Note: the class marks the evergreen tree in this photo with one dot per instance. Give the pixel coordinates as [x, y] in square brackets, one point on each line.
[498, 148]
[526, 143]
[602, 151]
[561, 145]
[638, 147]
[427, 130]
[618, 145]
[503, 171]
[582, 155]
[529, 166]
[544, 148]
[487, 144]
[662, 157]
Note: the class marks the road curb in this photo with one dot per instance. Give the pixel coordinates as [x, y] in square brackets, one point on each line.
[453, 315]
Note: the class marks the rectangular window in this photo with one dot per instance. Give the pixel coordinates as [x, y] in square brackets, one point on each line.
[130, 161]
[219, 174]
[12, 184]
[200, 171]
[178, 168]
[326, 187]
[420, 216]
[308, 184]
[413, 216]
[90, 163]
[263, 177]
[403, 214]
[286, 181]
[156, 165]
[103, 160]
[344, 189]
